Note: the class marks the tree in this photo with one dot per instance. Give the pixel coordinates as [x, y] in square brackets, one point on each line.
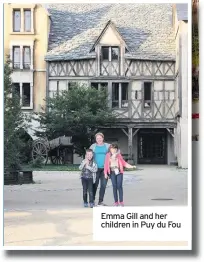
[76, 113]
[14, 122]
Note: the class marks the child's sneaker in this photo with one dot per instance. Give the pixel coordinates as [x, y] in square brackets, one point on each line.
[86, 205]
[116, 204]
[122, 204]
[91, 205]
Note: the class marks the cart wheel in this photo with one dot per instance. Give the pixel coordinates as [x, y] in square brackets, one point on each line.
[57, 157]
[40, 151]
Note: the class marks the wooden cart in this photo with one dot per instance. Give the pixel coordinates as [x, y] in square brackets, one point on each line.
[58, 150]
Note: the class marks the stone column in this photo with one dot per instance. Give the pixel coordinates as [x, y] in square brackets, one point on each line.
[22, 20]
[130, 145]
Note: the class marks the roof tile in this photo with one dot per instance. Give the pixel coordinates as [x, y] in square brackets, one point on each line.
[146, 29]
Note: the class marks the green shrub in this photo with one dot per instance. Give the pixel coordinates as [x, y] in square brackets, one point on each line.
[37, 163]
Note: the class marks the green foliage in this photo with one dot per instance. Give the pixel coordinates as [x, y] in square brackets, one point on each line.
[14, 122]
[37, 163]
[77, 113]
[195, 45]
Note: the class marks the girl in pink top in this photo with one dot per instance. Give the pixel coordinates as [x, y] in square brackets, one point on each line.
[113, 168]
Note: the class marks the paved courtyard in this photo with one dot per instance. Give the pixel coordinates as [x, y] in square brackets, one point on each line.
[50, 211]
[63, 190]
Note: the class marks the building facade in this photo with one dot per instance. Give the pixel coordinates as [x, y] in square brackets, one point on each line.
[134, 51]
[26, 34]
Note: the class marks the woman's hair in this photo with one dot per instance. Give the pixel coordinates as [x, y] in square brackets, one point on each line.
[99, 134]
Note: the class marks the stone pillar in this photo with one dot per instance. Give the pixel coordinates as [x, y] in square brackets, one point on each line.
[130, 145]
[22, 21]
[21, 57]
[31, 57]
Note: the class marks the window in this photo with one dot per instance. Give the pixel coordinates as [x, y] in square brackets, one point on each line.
[119, 95]
[110, 53]
[17, 88]
[114, 53]
[16, 20]
[71, 85]
[115, 95]
[147, 94]
[124, 102]
[16, 57]
[27, 20]
[23, 90]
[100, 86]
[26, 57]
[26, 95]
[105, 53]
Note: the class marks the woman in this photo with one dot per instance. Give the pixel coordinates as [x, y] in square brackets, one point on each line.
[113, 167]
[100, 150]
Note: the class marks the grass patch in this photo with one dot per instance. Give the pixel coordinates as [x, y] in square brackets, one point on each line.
[51, 167]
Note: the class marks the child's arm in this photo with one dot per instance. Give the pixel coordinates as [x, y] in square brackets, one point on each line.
[83, 163]
[125, 164]
[129, 166]
[93, 168]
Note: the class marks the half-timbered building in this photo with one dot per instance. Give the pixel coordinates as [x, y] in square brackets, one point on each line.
[131, 50]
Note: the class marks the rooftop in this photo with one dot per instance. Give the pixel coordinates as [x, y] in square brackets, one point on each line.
[146, 28]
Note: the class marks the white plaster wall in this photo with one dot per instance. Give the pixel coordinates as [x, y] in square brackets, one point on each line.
[169, 85]
[110, 37]
[184, 144]
[53, 85]
[182, 125]
[158, 85]
[176, 95]
[63, 85]
[184, 119]
[22, 77]
[184, 70]
[136, 86]
[170, 150]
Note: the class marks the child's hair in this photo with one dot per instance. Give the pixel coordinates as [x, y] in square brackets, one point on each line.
[89, 150]
[113, 146]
